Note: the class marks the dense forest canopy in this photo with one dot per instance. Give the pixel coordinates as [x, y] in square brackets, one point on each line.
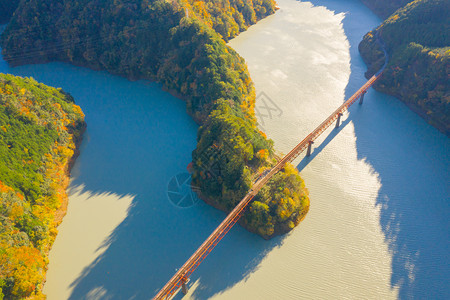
[230, 17]
[418, 42]
[39, 127]
[181, 44]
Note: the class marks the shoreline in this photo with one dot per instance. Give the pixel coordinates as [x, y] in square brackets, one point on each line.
[61, 212]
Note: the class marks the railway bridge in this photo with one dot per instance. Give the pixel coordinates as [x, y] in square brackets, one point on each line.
[182, 275]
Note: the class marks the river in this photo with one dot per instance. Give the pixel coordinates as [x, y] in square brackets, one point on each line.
[378, 226]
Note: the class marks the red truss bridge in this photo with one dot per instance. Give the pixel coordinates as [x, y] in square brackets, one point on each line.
[181, 276]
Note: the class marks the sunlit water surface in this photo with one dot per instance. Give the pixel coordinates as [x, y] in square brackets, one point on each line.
[378, 225]
[379, 221]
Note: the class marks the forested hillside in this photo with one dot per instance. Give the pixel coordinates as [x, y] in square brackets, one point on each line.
[182, 45]
[418, 42]
[39, 129]
[384, 8]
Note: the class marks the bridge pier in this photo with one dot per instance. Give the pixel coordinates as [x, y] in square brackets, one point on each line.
[184, 288]
[361, 98]
[338, 122]
[309, 148]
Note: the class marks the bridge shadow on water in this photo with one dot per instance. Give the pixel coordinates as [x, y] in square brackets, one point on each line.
[320, 146]
[412, 161]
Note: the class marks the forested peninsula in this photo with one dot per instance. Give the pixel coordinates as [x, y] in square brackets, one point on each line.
[182, 45]
[417, 38]
[40, 128]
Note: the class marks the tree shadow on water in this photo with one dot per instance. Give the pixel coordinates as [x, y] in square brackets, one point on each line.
[412, 162]
[156, 237]
[143, 252]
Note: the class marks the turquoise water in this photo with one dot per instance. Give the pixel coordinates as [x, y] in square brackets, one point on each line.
[384, 173]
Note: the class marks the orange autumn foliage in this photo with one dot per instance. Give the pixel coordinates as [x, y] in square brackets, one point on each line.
[37, 166]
